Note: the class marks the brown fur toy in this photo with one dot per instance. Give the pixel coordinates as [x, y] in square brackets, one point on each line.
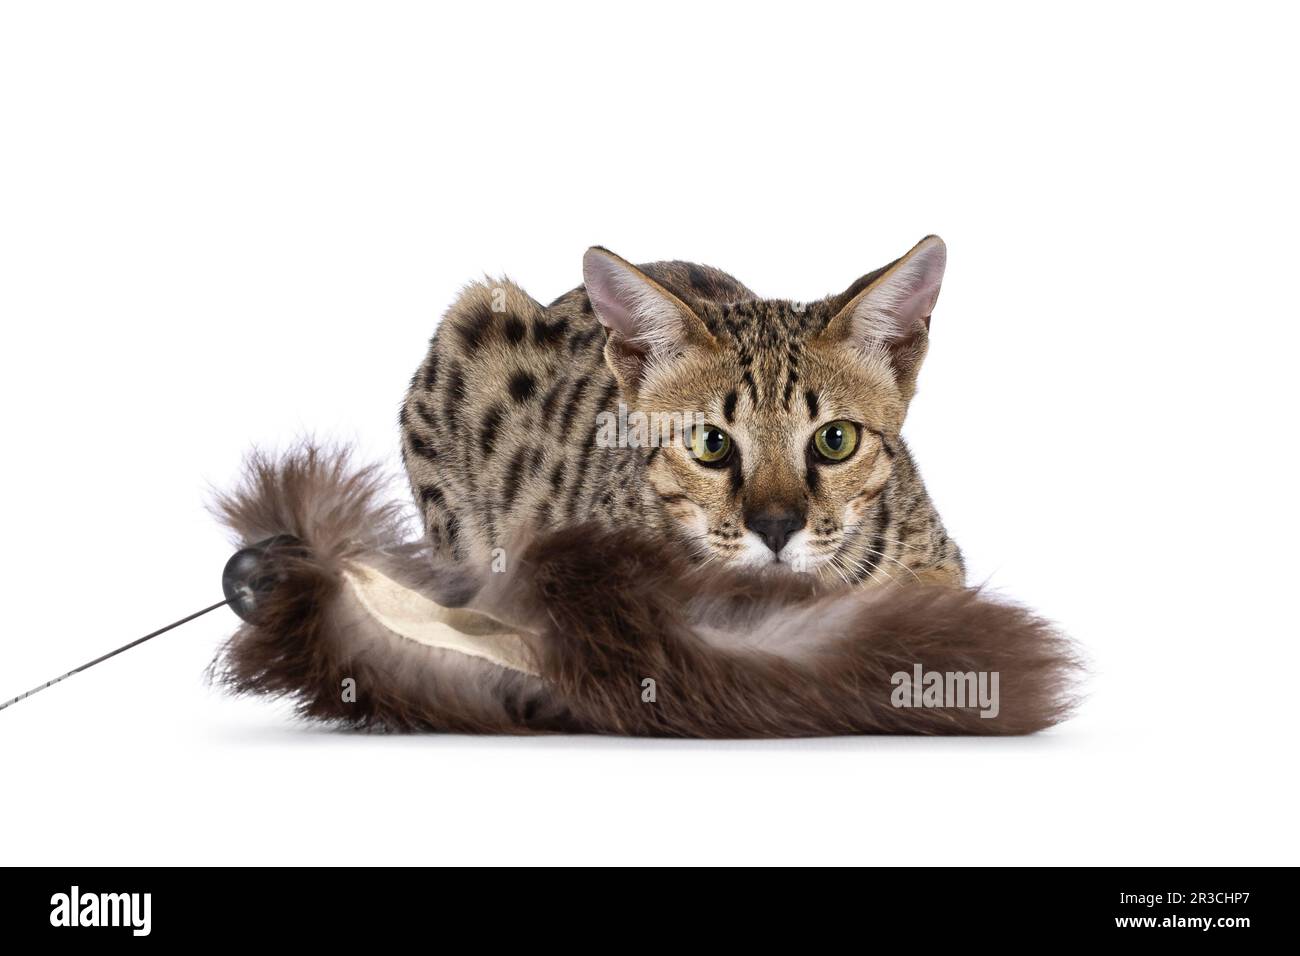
[607, 632]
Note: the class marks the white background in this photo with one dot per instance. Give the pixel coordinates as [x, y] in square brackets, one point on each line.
[236, 223]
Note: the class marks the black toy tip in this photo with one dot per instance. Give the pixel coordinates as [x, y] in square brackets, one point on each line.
[253, 572]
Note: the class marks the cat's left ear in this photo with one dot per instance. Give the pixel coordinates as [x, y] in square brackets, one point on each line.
[892, 312]
[647, 323]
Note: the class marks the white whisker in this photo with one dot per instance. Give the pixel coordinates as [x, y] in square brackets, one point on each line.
[863, 570]
[902, 544]
[880, 554]
[834, 566]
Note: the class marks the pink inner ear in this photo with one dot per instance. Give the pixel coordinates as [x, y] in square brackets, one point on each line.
[917, 304]
[600, 276]
[905, 299]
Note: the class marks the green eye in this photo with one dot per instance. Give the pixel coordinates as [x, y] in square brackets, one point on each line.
[836, 441]
[710, 445]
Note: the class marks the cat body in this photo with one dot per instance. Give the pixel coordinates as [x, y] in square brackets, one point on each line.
[529, 417]
[716, 584]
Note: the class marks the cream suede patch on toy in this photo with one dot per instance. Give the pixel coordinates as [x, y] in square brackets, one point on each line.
[411, 615]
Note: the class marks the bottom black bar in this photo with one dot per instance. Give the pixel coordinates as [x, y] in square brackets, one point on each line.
[923, 906]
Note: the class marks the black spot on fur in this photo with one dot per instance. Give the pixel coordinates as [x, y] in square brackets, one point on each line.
[422, 412]
[813, 405]
[488, 430]
[514, 329]
[879, 542]
[549, 334]
[522, 385]
[475, 326]
[729, 407]
[576, 489]
[513, 474]
[571, 406]
[607, 396]
[812, 477]
[737, 476]
[582, 339]
[453, 396]
[421, 447]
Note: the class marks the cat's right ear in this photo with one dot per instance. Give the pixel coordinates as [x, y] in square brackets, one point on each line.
[888, 311]
[648, 325]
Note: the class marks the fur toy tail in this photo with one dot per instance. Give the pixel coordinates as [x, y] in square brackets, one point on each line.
[628, 637]
[735, 654]
[317, 644]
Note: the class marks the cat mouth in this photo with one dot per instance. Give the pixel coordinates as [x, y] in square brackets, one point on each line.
[776, 564]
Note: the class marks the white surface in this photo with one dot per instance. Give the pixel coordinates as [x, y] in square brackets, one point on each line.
[238, 223]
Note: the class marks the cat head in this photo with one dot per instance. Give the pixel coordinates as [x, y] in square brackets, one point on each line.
[793, 410]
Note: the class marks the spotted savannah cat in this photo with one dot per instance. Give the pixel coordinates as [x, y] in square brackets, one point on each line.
[797, 461]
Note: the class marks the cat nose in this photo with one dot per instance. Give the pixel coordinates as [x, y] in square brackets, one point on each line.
[775, 528]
